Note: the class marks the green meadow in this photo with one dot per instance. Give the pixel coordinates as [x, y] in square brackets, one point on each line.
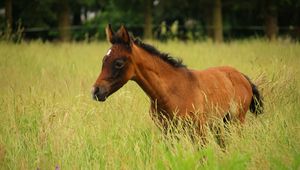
[49, 120]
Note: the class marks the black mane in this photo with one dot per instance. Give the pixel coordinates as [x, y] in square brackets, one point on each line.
[176, 62]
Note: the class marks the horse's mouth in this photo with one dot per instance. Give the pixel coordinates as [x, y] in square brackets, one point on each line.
[99, 97]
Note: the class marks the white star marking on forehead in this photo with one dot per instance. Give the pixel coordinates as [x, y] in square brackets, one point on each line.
[108, 52]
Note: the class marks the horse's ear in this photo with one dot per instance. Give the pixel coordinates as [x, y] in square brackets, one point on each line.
[109, 33]
[123, 34]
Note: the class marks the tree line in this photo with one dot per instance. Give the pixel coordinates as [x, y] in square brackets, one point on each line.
[181, 19]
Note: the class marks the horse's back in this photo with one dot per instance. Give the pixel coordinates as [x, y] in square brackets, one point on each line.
[224, 89]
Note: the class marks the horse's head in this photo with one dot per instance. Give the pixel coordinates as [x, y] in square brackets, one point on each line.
[117, 66]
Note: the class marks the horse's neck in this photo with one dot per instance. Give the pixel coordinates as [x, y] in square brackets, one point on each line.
[156, 77]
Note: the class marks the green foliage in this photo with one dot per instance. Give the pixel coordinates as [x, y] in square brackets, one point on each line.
[48, 118]
[240, 18]
[34, 13]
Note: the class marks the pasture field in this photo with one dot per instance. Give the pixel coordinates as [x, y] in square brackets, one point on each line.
[49, 120]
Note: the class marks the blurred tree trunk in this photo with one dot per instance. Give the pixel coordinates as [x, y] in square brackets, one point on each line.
[77, 16]
[8, 14]
[208, 22]
[148, 19]
[217, 21]
[64, 20]
[271, 27]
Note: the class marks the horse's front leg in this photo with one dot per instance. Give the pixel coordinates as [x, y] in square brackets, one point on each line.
[161, 122]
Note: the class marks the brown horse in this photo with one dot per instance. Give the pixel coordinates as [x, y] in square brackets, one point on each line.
[220, 92]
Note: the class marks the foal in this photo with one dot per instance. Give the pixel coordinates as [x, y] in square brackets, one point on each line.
[175, 90]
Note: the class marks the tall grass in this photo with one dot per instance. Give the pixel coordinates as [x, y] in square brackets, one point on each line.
[49, 120]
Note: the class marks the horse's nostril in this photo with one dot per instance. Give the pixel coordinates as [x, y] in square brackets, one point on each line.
[95, 90]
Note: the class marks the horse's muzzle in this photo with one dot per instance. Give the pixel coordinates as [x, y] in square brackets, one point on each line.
[99, 93]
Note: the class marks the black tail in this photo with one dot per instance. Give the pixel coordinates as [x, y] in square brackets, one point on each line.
[256, 105]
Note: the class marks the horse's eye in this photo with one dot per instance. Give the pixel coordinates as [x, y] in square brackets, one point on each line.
[119, 63]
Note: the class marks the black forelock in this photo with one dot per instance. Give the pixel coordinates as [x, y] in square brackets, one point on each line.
[117, 40]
